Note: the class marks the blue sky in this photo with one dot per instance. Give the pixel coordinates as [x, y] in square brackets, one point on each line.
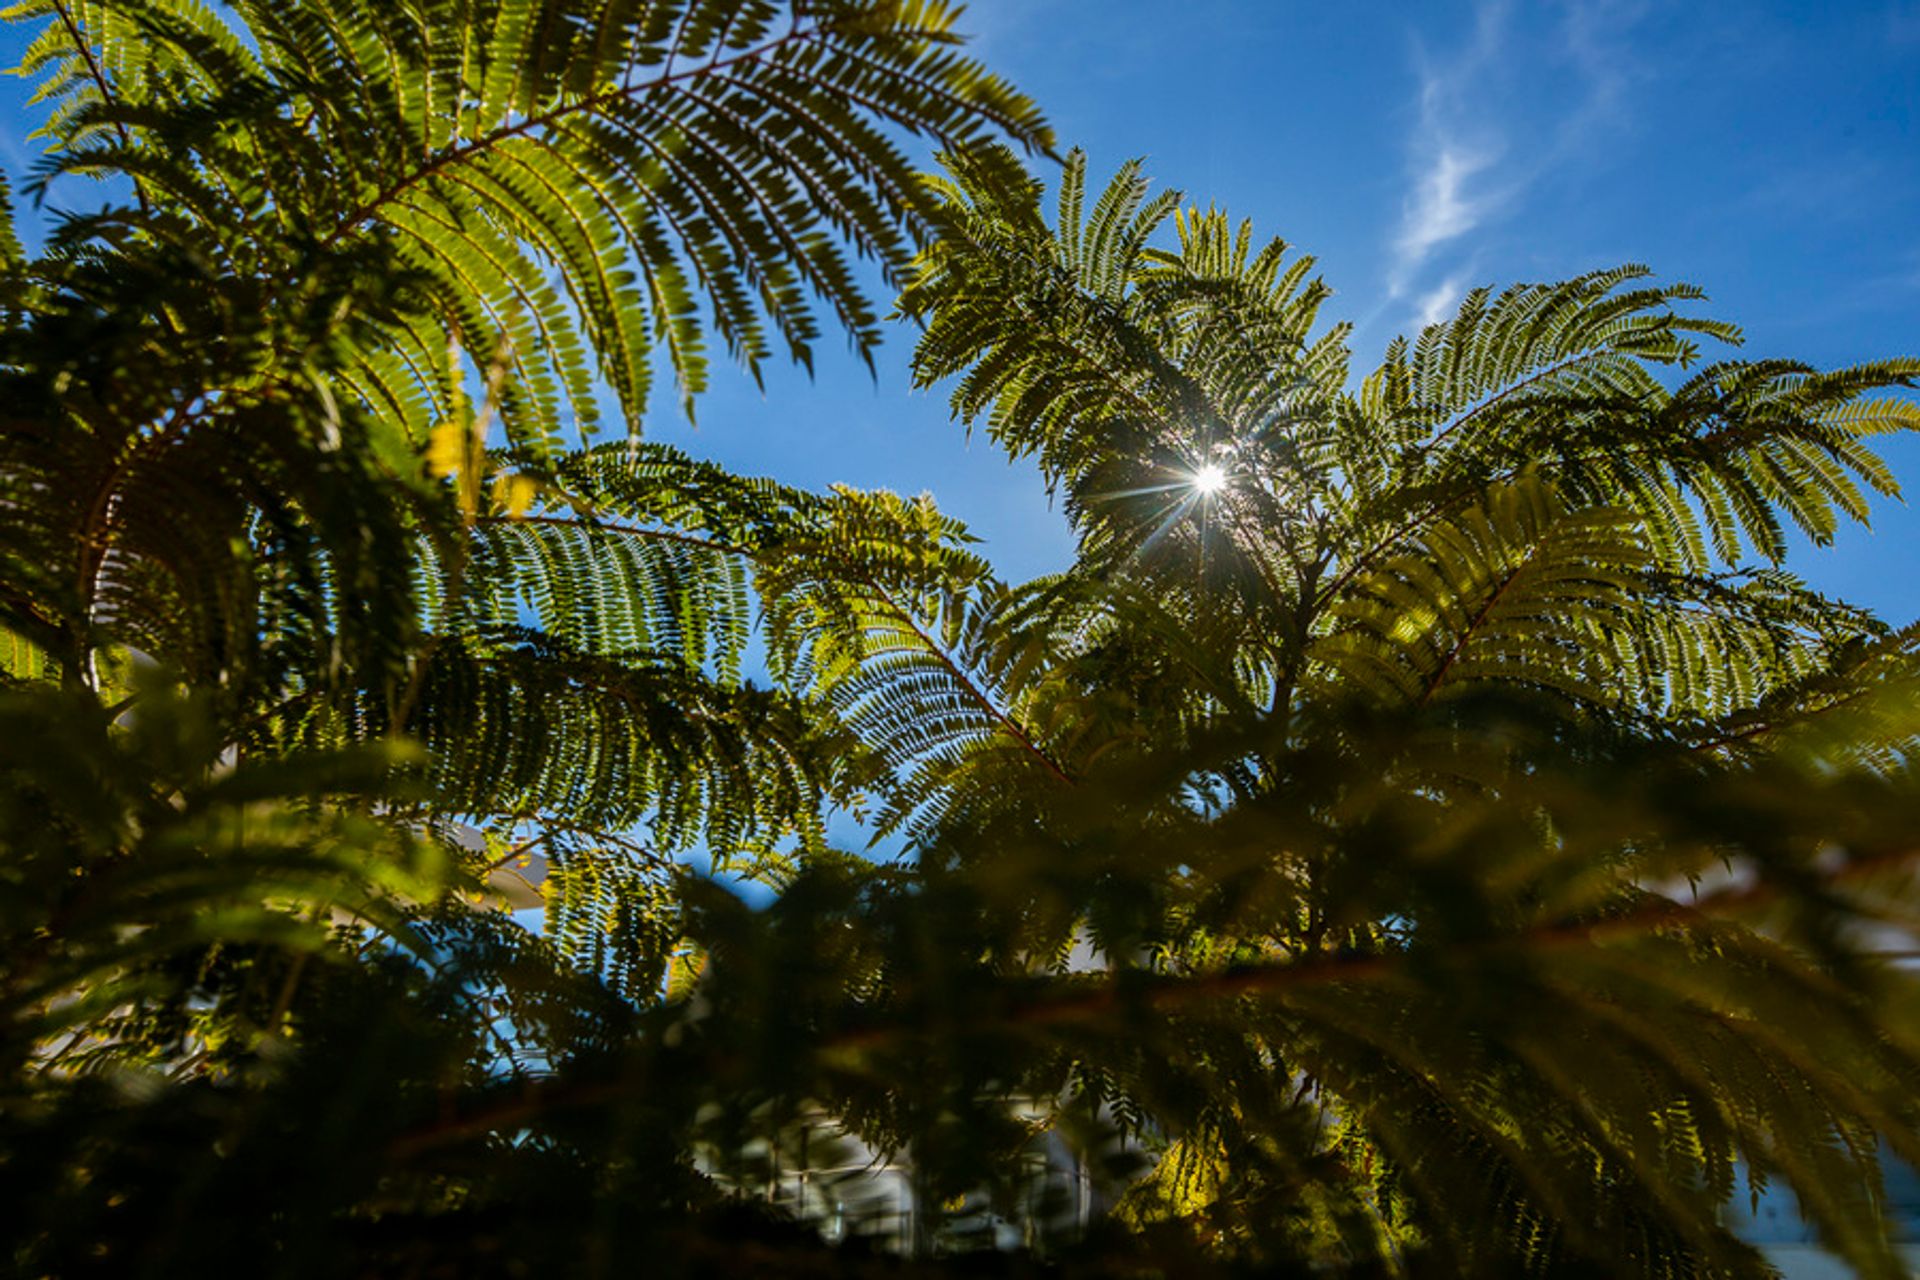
[1766, 151]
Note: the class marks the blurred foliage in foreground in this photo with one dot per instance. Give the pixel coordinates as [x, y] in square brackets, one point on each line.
[1425, 833]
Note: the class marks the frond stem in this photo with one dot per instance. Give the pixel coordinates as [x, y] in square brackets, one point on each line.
[626, 89]
[98, 75]
[1468, 633]
[1506, 393]
[1007, 723]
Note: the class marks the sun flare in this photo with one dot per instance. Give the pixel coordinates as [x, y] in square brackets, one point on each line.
[1209, 479]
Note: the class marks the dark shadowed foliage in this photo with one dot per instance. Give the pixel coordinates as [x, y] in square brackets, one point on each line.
[1427, 832]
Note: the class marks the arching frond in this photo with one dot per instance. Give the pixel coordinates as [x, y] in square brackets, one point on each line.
[572, 183]
[1509, 593]
[1563, 379]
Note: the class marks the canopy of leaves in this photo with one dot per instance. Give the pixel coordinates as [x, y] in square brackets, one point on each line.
[1452, 844]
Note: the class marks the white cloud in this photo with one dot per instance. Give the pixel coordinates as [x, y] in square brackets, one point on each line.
[13, 154]
[1513, 103]
[1441, 207]
[1449, 152]
[1439, 302]
[1596, 39]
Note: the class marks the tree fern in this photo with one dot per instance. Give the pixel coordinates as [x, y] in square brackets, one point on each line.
[570, 183]
[1430, 849]
[1517, 503]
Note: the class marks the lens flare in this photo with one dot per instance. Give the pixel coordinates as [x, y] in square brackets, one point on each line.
[1209, 479]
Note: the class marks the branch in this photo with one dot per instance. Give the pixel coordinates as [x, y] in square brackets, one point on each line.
[1137, 991]
[1259, 980]
[1506, 393]
[632, 531]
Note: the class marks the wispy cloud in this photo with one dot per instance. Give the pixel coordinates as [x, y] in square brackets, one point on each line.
[1437, 303]
[1449, 152]
[13, 154]
[1522, 95]
[1443, 207]
[1592, 34]
[1903, 22]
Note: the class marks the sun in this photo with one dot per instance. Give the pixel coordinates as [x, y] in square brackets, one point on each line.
[1209, 479]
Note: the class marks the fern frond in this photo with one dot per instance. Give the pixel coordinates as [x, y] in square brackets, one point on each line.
[1497, 594]
[562, 177]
